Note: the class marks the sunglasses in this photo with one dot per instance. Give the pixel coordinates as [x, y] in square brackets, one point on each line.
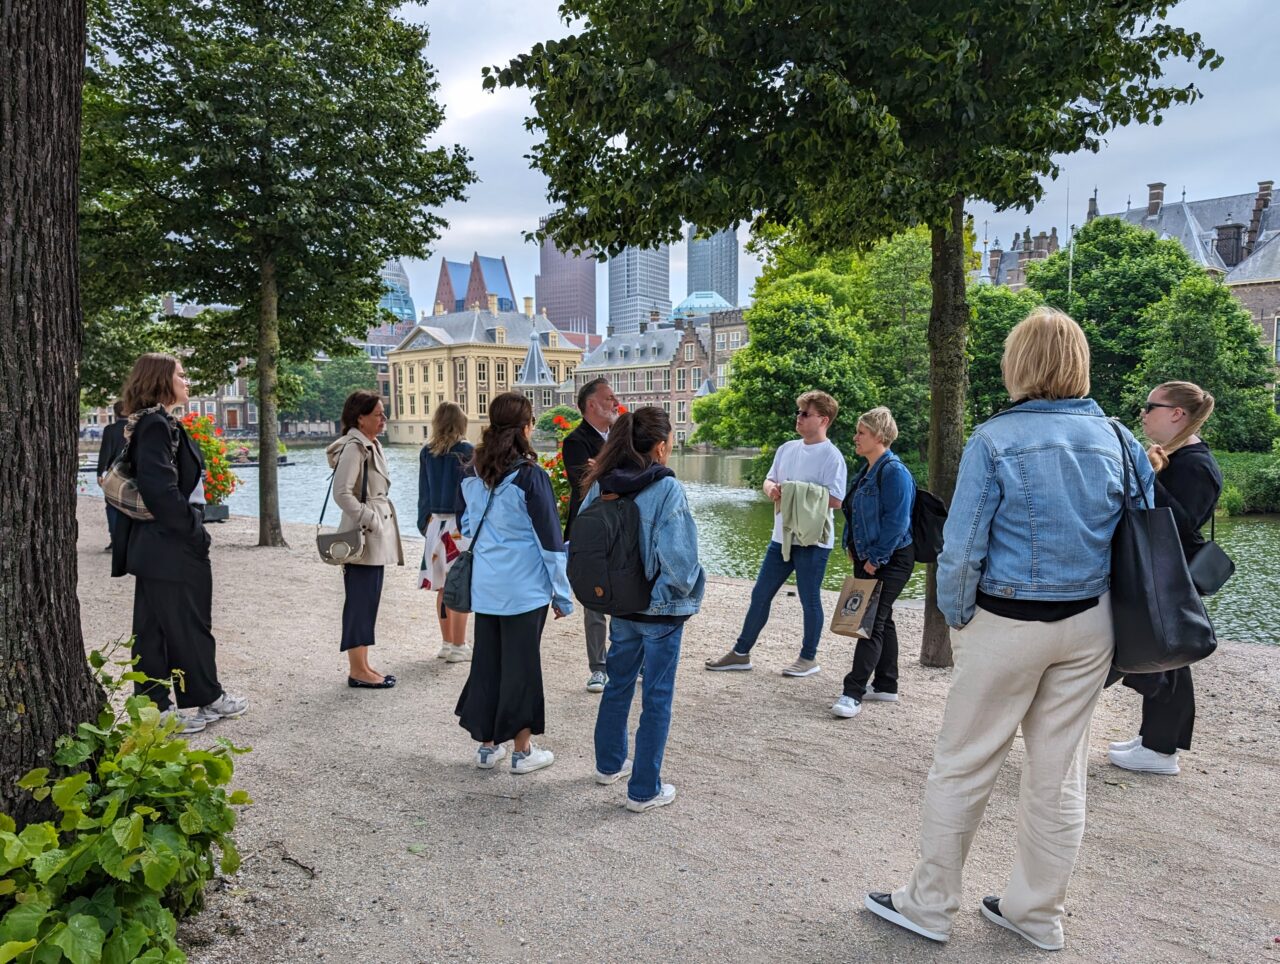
[800, 415]
[1146, 409]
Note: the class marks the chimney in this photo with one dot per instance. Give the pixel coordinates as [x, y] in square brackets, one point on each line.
[1264, 192]
[608, 331]
[493, 304]
[644, 326]
[1155, 198]
[993, 266]
[528, 307]
[1093, 207]
[1260, 204]
[439, 308]
[1230, 243]
[1053, 240]
[654, 315]
[1041, 247]
[679, 324]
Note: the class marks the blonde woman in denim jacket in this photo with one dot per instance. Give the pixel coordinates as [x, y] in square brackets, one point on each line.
[1022, 581]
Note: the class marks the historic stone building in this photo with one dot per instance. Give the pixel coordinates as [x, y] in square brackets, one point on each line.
[468, 357]
[1009, 266]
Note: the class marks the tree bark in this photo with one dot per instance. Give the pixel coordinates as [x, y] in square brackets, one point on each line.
[948, 384]
[46, 687]
[270, 532]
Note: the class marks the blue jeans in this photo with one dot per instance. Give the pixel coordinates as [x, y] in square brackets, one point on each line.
[810, 565]
[656, 647]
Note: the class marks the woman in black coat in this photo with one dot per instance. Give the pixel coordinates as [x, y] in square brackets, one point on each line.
[1188, 481]
[168, 556]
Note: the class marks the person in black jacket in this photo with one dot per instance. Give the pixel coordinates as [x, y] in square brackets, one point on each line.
[168, 556]
[110, 450]
[599, 408]
[1188, 481]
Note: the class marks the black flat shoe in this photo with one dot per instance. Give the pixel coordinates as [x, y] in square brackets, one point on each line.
[386, 684]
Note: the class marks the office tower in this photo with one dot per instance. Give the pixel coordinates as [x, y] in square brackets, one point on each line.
[565, 288]
[713, 263]
[639, 284]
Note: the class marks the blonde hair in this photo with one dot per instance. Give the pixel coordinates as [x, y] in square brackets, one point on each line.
[821, 402]
[1046, 356]
[879, 422]
[1197, 403]
[150, 383]
[448, 428]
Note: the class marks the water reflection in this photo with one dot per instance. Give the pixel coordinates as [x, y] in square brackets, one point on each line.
[734, 524]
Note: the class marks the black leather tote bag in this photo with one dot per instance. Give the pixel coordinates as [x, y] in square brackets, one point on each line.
[1159, 619]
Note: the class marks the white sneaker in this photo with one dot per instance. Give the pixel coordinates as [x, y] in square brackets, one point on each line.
[535, 759]
[604, 779]
[487, 757]
[875, 696]
[1127, 744]
[802, 667]
[225, 707]
[664, 797]
[1141, 760]
[458, 654]
[846, 708]
[186, 724]
[445, 650]
[596, 683]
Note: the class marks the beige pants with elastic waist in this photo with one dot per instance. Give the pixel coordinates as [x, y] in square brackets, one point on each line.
[1046, 678]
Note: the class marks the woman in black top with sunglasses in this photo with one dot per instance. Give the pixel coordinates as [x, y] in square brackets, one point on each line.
[1188, 481]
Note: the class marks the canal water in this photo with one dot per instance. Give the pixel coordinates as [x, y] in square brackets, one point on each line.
[734, 523]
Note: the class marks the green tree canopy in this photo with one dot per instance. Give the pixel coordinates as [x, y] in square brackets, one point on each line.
[1119, 271]
[323, 386]
[270, 158]
[996, 309]
[1200, 334]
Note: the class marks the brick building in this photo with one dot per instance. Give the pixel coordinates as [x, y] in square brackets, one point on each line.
[1009, 266]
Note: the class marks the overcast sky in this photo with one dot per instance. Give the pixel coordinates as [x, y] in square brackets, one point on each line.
[1223, 144]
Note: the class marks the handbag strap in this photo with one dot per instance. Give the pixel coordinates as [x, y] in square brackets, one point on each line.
[479, 525]
[1126, 457]
[364, 490]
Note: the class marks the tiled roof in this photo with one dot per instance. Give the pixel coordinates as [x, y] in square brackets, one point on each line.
[654, 347]
[1193, 224]
[1262, 265]
[535, 372]
[478, 327]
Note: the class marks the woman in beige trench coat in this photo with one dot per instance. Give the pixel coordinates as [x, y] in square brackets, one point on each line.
[354, 454]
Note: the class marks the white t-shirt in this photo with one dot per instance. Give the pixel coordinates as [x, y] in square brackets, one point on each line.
[821, 463]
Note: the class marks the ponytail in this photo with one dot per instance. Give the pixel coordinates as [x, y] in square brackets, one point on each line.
[1197, 403]
[503, 444]
[632, 440]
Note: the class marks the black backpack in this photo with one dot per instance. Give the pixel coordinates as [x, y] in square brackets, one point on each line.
[606, 569]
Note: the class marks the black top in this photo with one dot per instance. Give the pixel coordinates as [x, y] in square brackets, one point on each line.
[1190, 485]
[112, 445]
[583, 443]
[1035, 610]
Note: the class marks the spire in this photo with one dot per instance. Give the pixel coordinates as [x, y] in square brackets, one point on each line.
[535, 373]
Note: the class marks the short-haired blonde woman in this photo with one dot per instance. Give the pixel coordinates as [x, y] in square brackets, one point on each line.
[440, 466]
[877, 536]
[1022, 580]
[1188, 481]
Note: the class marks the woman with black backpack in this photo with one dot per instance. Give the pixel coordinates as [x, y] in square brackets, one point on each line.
[633, 466]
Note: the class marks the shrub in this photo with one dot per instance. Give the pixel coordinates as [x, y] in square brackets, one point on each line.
[1255, 479]
[141, 813]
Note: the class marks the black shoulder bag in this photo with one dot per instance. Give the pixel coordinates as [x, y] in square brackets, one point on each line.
[457, 583]
[1211, 567]
[1158, 617]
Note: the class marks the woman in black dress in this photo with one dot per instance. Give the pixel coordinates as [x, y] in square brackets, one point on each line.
[1188, 481]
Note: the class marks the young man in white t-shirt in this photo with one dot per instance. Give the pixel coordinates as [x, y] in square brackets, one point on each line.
[810, 458]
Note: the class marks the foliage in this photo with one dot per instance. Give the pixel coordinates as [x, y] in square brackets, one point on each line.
[323, 386]
[114, 337]
[141, 815]
[799, 341]
[1250, 482]
[219, 480]
[995, 310]
[1119, 272]
[547, 421]
[1199, 333]
[268, 158]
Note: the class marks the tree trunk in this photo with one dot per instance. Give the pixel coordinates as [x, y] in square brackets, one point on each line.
[46, 687]
[269, 531]
[948, 384]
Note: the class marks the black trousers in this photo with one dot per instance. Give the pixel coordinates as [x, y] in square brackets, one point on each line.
[879, 653]
[363, 585]
[1168, 708]
[172, 633]
[503, 694]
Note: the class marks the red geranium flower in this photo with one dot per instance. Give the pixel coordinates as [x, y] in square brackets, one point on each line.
[622, 410]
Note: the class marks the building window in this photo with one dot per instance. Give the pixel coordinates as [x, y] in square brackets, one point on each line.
[398, 374]
[682, 411]
[688, 351]
[440, 399]
[719, 376]
[253, 414]
[482, 372]
[425, 431]
[460, 371]
[697, 378]
[666, 379]
[666, 407]
[680, 379]
[720, 341]
[500, 335]
[411, 371]
[439, 371]
[648, 380]
[631, 379]
[211, 408]
[680, 437]
[735, 340]
[528, 393]
[399, 407]
[500, 372]
[546, 398]
[568, 372]
[426, 404]
[482, 403]
[555, 372]
[193, 408]
[413, 403]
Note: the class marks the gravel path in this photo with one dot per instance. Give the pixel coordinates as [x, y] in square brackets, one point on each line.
[372, 837]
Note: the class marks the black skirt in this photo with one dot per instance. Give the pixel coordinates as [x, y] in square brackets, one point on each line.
[503, 694]
[360, 611]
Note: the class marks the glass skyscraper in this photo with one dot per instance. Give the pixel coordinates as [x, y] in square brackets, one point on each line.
[713, 263]
[639, 284]
[565, 288]
[396, 298]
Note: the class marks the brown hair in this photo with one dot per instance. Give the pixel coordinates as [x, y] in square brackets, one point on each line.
[448, 427]
[1046, 356]
[360, 402]
[821, 402]
[1197, 403]
[150, 383]
[503, 443]
[631, 442]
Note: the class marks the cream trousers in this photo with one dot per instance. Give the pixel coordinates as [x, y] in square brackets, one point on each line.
[1046, 678]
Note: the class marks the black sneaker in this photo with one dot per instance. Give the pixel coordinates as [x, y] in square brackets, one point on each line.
[991, 911]
[882, 906]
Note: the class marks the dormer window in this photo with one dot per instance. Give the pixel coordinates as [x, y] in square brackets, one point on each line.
[500, 335]
[552, 339]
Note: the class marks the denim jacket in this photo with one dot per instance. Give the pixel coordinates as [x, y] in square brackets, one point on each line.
[878, 515]
[668, 541]
[1036, 503]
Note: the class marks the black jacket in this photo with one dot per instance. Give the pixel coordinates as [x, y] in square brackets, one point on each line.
[1190, 485]
[112, 445]
[583, 443]
[173, 545]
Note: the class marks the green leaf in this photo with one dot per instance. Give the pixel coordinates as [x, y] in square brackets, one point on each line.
[7, 824]
[96, 659]
[22, 923]
[49, 863]
[10, 950]
[230, 856]
[38, 837]
[190, 822]
[81, 940]
[159, 867]
[65, 790]
[35, 778]
[125, 943]
[127, 832]
[239, 798]
[7, 886]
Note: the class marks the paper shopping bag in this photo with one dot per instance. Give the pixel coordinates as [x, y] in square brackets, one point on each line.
[856, 610]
